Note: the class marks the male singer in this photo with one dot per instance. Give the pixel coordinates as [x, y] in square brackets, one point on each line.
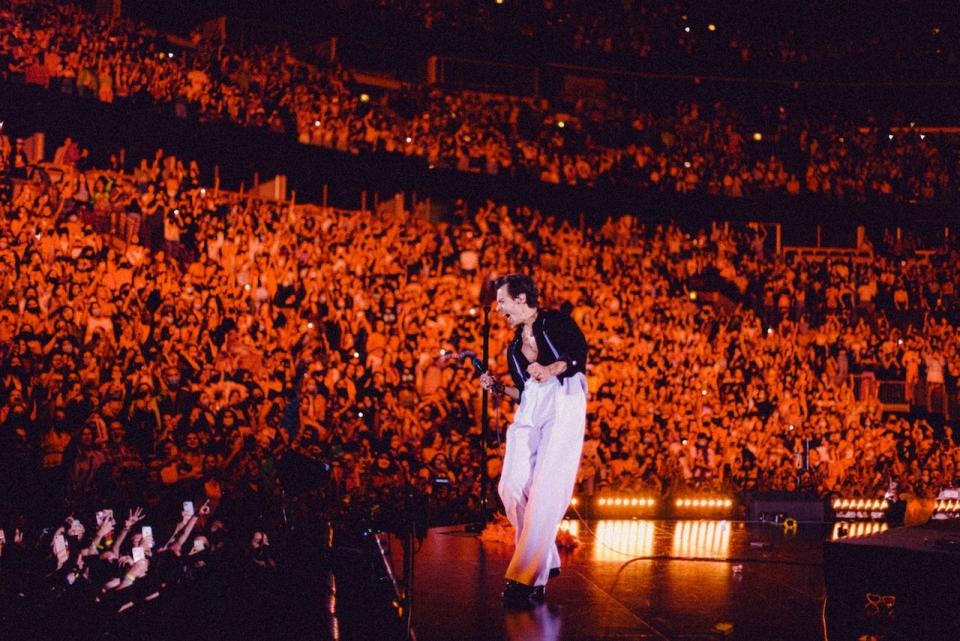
[547, 360]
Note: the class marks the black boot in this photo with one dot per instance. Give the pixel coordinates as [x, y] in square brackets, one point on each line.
[520, 596]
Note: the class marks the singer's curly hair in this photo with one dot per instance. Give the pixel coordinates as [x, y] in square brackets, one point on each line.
[520, 284]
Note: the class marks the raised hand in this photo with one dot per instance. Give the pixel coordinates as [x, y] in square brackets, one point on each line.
[488, 381]
[134, 517]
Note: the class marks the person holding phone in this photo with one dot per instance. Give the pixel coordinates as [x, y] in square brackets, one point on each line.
[547, 360]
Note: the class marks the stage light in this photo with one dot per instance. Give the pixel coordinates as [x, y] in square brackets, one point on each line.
[693, 295]
[316, 123]
[574, 501]
[686, 29]
[686, 163]
[561, 124]
[473, 311]
[309, 325]
[602, 502]
[364, 97]
[922, 136]
[860, 509]
[203, 192]
[711, 27]
[703, 392]
[360, 414]
[947, 505]
[247, 287]
[709, 506]
[409, 140]
[757, 136]
[356, 354]
[843, 529]
[890, 136]
[618, 501]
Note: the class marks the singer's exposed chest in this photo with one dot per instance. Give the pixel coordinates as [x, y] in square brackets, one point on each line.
[528, 345]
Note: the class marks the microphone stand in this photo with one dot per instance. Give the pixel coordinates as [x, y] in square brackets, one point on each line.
[485, 423]
[483, 518]
[488, 295]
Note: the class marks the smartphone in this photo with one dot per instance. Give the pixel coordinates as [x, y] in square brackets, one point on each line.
[188, 507]
[198, 545]
[147, 532]
[138, 554]
[3, 538]
[59, 545]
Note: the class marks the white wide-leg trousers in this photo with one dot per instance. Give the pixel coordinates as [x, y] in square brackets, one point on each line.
[539, 471]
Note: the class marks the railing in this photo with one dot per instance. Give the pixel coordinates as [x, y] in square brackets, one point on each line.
[899, 396]
[463, 74]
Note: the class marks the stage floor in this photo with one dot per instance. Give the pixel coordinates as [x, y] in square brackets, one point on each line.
[683, 580]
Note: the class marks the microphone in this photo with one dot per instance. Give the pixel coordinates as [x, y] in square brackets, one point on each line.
[488, 293]
[477, 366]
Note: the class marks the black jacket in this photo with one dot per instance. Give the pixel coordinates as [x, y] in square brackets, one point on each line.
[558, 339]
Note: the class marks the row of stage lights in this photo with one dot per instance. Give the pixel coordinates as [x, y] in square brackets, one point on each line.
[848, 530]
[704, 503]
[622, 502]
[646, 506]
[860, 505]
[947, 507]
[619, 501]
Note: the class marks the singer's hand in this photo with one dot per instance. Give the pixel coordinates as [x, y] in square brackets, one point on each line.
[488, 381]
[539, 372]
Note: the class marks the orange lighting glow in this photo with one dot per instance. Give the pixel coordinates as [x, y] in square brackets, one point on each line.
[620, 539]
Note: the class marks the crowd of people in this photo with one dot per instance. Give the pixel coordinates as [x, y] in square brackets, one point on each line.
[190, 376]
[853, 41]
[158, 335]
[163, 341]
[694, 146]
